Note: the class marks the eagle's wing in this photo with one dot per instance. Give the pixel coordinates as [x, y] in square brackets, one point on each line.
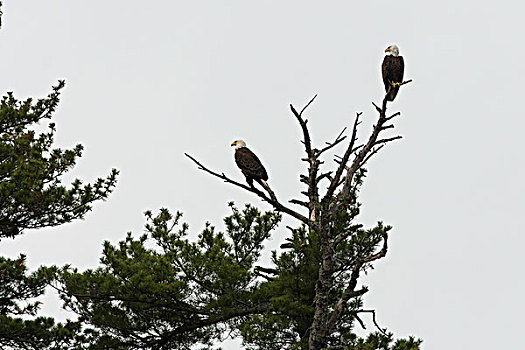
[248, 162]
[398, 69]
[392, 70]
[384, 70]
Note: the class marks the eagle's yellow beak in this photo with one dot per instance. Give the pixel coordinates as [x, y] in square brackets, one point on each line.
[233, 143]
[387, 49]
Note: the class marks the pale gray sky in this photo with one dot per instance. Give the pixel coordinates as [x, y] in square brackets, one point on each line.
[147, 81]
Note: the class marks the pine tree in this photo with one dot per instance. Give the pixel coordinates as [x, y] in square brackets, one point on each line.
[32, 196]
[163, 291]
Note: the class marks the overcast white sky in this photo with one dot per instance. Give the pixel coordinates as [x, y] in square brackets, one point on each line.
[148, 81]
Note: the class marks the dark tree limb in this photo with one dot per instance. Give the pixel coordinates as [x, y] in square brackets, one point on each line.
[264, 272]
[298, 202]
[272, 201]
[360, 321]
[325, 324]
[313, 161]
[326, 175]
[373, 312]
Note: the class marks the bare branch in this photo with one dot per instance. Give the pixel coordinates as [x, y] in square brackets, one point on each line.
[307, 105]
[393, 116]
[306, 135]
[360, 321]
[298, 202]
[378, 142]
[373, 312]
[368, 149]
[336, 179]
[273, 201]
[374, 151]
[313, 161]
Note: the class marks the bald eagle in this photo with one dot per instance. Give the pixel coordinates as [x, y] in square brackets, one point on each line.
[392, 69]
[249, 164]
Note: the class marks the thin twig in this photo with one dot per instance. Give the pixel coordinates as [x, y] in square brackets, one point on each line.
[378, 142]
[307, 105]
[393, 116]
[338, 140]
[374, 151]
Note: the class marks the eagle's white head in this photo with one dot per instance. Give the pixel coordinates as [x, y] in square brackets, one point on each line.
[238, 144]
[393, 49]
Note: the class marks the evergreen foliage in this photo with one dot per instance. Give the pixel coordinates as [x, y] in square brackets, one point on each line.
[32, 196]
[161, 291]
[31, 191]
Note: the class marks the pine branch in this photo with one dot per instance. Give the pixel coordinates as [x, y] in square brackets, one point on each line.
[381, 253]
[350, 291]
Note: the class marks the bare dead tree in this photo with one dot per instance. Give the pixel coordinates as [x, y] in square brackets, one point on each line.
[322, 209]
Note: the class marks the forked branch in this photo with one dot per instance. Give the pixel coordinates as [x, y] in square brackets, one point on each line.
[340, 138]
[371, 147]
[373, 312]
[336, 180]
[306, 134]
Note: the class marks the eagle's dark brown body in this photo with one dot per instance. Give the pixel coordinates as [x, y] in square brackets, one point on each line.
[250, 165]
[392, 69]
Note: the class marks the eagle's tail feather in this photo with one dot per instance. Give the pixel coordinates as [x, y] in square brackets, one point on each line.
[268, 189]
